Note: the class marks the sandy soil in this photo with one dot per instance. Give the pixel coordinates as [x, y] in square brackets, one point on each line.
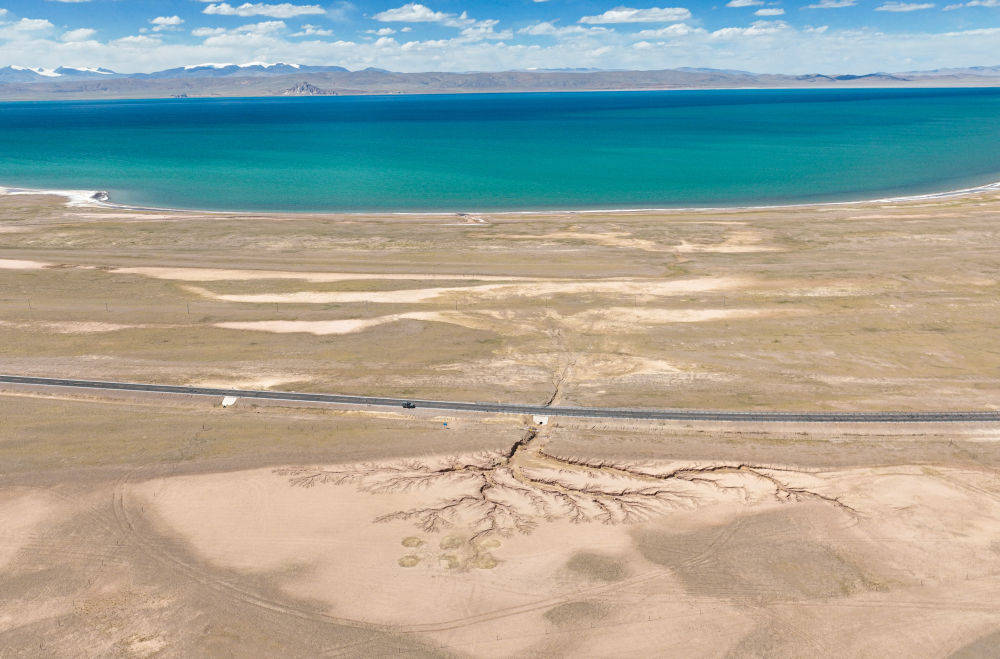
[22, 513]
[630, 317]
[138, 525]
[322, 327]
[486, 292]
[560, 576]
[15, 264]
[264, 382]
[174, 528]
[215, 274]
[737, 242]
[833, 307]
[69, 327]
[604, 320]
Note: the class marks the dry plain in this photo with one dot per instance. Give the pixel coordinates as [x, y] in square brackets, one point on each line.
[146, 525]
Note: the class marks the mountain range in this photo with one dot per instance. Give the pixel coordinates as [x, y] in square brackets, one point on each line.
[281, 79]
[27, 74]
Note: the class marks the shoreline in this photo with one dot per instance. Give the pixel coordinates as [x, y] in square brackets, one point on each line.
[101, 199]
[916, 85]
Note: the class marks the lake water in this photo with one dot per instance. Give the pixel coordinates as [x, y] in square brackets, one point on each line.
[508, 151]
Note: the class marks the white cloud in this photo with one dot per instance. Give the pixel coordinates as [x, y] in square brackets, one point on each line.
[770, 11]
[381, 32]
[414, 12]
[23, 30]
[208, 31]
[766, 46]
[82, 34]
[549, 28]
[904, 6]
[974, 3]
[471, 29]
[265, 27]
[245, 36]
[630, 15]
[744, 3]
[540, 29]
[140, 40]
[484, 30]
[756, 29]
[283, 10]
[167, 20]
[30, 25]
[313, 31]
[161, 23]
[832, 4]
[985, 31]
[3, 12]
[671, 31]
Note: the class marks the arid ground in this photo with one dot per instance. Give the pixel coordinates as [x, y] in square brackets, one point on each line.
[140, 524]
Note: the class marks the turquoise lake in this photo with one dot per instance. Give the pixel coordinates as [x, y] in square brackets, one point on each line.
[508, 151]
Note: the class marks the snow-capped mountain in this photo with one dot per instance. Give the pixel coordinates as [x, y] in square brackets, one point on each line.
[77, 73]
[16, 73]
[283, 79]
[25, 74]
[249, 69]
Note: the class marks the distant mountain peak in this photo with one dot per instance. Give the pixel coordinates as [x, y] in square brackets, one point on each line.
[224, 69]
[247, 65]
[206, 65]
[255, 77]
[698, 69]
[72, 70]
[46, 73]
[268, 65]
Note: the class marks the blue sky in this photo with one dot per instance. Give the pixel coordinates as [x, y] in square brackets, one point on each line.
[825, 36]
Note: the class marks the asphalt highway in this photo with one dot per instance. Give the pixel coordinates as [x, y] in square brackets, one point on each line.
[514, 408]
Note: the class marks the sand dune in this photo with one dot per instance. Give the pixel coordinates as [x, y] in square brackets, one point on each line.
[13, 264]
[632, 287]
[216, 274]
[69, 327]
[616, 316]
[322, 327]
[634, 316]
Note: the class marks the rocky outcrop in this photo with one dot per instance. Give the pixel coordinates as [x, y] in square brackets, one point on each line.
[307, 89]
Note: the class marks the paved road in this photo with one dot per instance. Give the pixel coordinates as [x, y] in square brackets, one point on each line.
[506, 408]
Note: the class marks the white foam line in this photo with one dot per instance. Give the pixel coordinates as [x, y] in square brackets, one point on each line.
[86, 198]
[73, 197]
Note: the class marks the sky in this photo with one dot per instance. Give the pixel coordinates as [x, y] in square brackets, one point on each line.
[767, 36]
